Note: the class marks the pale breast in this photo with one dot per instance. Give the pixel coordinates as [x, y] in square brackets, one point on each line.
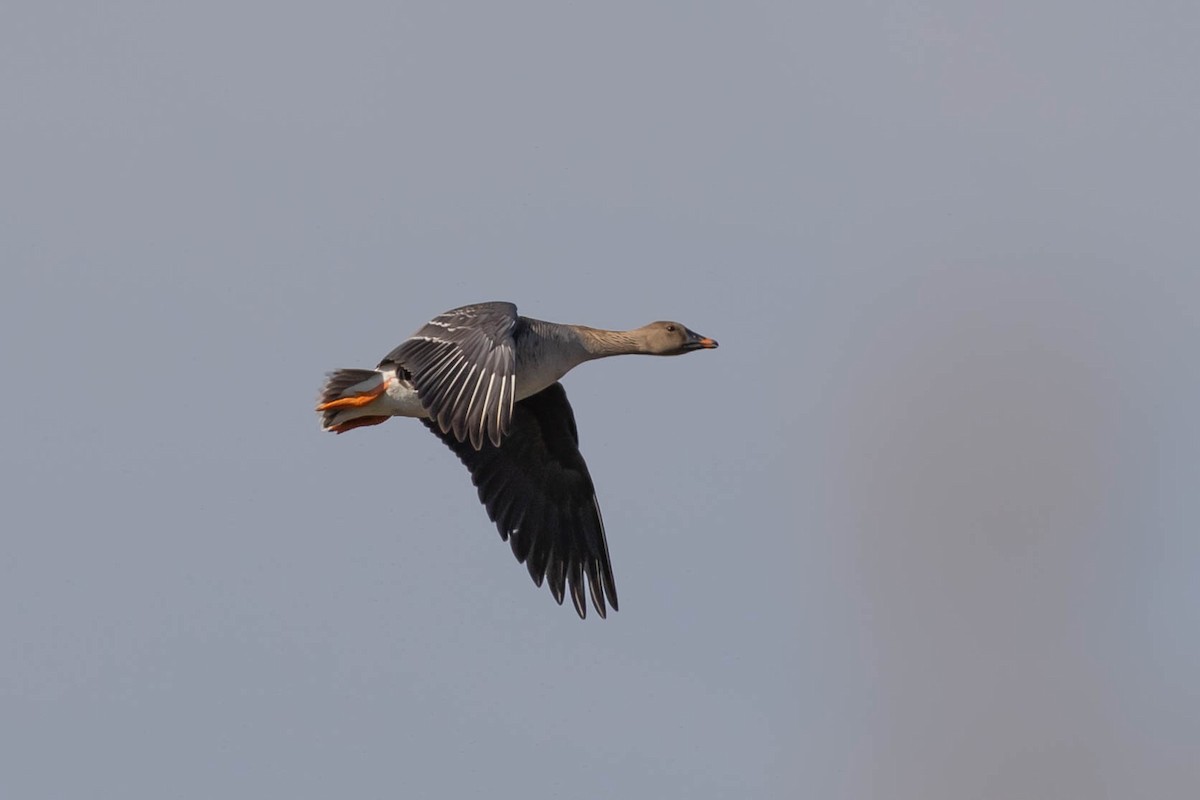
[542, 368]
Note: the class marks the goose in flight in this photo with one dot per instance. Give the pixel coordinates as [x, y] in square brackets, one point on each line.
[485, 381]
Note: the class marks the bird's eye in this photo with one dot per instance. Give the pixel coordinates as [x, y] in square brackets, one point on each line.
[670, 329]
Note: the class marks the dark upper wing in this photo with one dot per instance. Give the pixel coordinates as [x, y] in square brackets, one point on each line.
[537, 490]
[463, 365]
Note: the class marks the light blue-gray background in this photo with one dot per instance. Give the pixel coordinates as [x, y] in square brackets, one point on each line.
[926, 525]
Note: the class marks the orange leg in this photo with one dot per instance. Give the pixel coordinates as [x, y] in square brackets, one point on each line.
[356, 401]
[358, 422]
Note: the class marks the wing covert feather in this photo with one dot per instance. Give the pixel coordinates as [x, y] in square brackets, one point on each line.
[463, 366]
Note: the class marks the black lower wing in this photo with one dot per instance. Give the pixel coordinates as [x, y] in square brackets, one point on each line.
[537, 490]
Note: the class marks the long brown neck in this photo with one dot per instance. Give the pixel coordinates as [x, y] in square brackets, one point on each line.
[600, 343]
[571, 345]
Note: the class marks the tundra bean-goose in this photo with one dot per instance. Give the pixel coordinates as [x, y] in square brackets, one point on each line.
[485, 381]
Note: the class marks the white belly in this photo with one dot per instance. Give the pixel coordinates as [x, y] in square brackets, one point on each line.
[399, 399]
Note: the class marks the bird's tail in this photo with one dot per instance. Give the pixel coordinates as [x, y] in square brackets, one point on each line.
[349, 399]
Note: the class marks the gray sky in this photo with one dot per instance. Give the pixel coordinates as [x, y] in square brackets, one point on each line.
[923, 527]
